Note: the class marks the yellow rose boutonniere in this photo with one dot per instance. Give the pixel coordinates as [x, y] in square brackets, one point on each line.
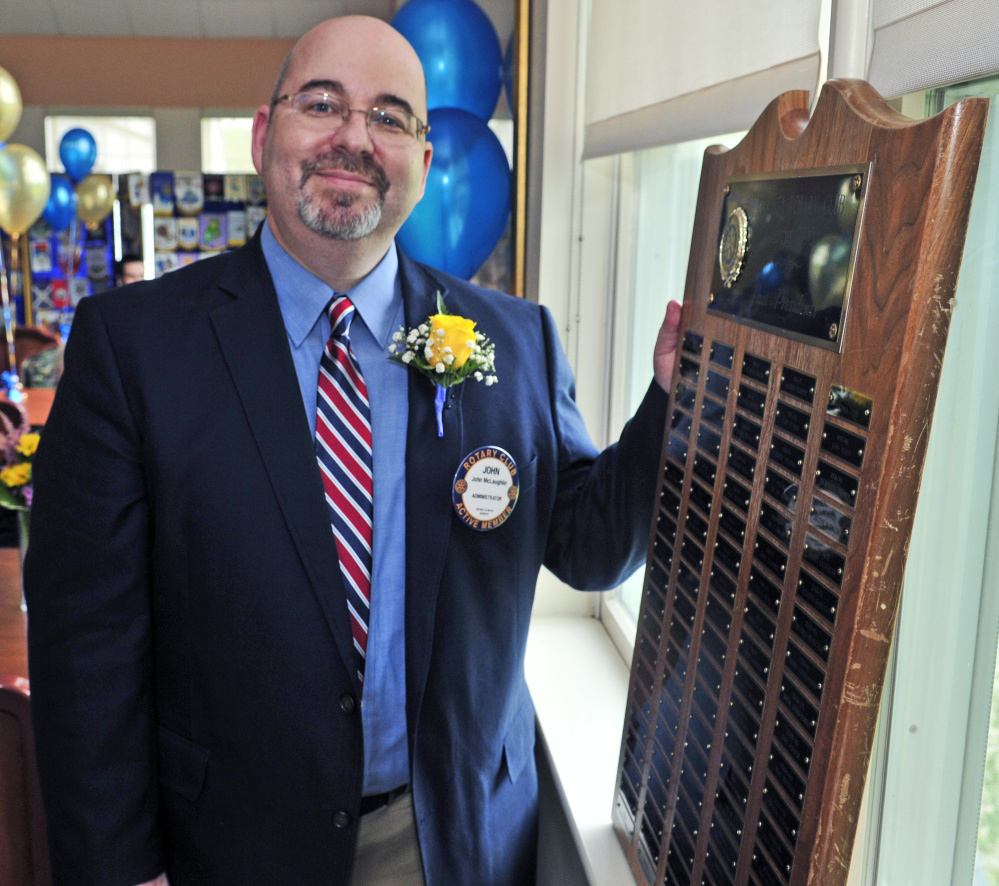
[447, 350]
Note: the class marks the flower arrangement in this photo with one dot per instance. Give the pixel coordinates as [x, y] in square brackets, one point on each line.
[19, 446]
[447, 350]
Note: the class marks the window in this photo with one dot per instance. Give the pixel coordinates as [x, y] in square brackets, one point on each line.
[124, 144]
[655, 243]
[225, 144]
[935, 776]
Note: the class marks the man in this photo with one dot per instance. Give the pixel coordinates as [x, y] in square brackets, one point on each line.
[195, 652]
[129, 270]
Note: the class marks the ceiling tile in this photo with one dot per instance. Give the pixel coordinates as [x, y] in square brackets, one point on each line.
[166, 18]
[383, 9]
[201, 18]
[28, 17]
[294, 19]
[237, 18]
[96, 18]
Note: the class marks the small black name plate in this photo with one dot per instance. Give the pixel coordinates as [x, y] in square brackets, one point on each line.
[786, 249]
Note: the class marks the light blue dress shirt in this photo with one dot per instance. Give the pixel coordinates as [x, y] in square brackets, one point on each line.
[303, 298]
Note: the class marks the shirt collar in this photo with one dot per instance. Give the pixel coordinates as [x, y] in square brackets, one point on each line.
[303, 297]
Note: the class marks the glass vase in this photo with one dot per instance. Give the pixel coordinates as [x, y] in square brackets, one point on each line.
[23, 527]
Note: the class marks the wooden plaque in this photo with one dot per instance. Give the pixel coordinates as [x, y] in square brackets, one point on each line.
[819, 291]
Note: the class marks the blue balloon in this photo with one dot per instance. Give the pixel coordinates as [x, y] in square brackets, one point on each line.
[465, 208]
[61, 208]
[459, 50]
[78, 151]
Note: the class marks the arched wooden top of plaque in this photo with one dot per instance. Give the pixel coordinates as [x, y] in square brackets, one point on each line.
[819, 290]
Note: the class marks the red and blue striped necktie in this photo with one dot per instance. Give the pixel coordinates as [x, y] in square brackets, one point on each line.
[343, 447]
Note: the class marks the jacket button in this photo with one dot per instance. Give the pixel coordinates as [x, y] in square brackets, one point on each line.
[347, 703]
[341, 818]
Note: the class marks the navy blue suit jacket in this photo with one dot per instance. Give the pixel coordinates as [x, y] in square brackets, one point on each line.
[190, 652]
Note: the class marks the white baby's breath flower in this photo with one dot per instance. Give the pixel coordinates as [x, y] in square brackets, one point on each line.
[397, 336]
[441, 333]
[392, 349]
[439, 368]
[424, 328]
[491, 380]
[447, 349]
[478, 376]
[449, 359]
[407, 357]
[414, 334]
[471, 345]
[428, 352]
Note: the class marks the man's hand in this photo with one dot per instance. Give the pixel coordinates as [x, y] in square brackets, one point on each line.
[664, 355]
[161, 880]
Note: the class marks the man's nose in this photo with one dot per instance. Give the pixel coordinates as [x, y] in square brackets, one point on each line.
[353, 132]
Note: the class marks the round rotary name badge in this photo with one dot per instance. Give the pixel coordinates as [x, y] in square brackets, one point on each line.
[485, 488]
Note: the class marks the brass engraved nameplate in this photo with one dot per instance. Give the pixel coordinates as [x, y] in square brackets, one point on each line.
[786, 251]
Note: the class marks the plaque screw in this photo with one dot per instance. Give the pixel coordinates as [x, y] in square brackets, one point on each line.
[728, 190]
[856, 182]
[711, 298]
[833, 329]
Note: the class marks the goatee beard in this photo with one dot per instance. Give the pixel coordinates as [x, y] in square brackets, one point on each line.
[342, 219]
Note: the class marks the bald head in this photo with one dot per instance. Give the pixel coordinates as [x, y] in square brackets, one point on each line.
[338, 190]
[357, 33]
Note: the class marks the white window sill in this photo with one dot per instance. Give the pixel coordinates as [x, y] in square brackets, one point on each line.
[579, 683]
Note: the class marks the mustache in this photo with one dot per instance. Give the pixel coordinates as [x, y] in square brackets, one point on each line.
[359, 164]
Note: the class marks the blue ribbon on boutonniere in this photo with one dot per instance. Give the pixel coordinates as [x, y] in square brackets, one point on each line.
[447, 350]
[439, 399]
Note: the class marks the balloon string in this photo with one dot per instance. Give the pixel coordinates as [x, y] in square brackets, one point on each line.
[70, 262]
[15, 390]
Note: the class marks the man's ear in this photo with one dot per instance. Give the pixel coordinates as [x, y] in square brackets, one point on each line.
[260, 122]
[428, 153]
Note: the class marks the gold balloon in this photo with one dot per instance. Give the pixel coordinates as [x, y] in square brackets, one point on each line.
[95, 197]
[10, 105]
[829, 271]
[24, 188]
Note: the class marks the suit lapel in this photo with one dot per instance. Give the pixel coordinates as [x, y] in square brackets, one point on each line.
[431, 462]
[251, 334]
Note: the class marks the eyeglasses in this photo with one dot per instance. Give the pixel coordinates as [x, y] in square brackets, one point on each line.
[388, 125]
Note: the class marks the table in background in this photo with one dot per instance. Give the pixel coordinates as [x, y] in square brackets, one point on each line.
[38, 402]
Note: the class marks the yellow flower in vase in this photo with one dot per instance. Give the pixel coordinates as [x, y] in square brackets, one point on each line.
[16, 475]
[27, 445]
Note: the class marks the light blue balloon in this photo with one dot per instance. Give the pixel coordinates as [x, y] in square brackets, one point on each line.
[78, 151]
[61, 208]
[466, 205]
[459, 50]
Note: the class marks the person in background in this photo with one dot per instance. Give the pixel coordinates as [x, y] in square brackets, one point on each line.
[129, 270]
[269, 644]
